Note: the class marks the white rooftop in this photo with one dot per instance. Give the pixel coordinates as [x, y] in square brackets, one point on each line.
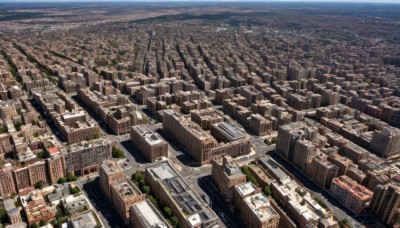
[246, 188]
[148, 215]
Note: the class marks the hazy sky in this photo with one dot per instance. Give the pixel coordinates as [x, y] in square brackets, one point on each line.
[348, 1]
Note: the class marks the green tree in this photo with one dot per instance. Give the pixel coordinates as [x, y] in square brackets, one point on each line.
[267, 190]
[74, 190]
[3, 129]
[138, 176]
[146, 189]
[249, 176]
[117, 153]
[85, 208]
[167, 212]
[34, 225]
[39, 185]
[153, 200]
[42, 222]
[61, 180]
[3, 213]
[18, 125]
[344, 221]
[174, 221]
[62, 219]
[36, 134]
[71, 177]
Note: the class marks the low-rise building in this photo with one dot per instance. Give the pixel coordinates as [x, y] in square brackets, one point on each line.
[75, 204]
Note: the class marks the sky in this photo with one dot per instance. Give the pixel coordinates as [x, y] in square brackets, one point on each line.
[344, 1]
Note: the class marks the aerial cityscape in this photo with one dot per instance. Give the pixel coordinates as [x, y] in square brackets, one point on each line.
[199, 114]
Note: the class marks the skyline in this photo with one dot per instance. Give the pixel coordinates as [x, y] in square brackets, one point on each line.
[190, 1]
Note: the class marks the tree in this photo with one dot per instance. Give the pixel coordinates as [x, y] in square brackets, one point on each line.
[62, 219]
[267, 190]
[74, 190]
[71, 177]
[138, 176]
[61, 180]
[42, 222]
[153, 200]
[39, 185]
[167, 212]
[3, 129]
[245, 170]
[34, 225]
[18, 125]
[344, 221]
[3, 213]
[174, 221]
[117, 153]
[85, 208]
[36, 134]
[146, 189]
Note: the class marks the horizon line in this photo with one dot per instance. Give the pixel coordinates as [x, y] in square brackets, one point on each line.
[203, 1]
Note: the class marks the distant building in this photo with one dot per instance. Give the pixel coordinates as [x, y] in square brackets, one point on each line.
[199, 143]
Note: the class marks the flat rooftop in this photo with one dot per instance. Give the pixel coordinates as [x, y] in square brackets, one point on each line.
[231, 132]
[245, 188]
[149, 215]
[110, 166]
[261, 207]
[273, 167]
[162, 171]
[151, 137]
[125, 189]
[191, 207]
